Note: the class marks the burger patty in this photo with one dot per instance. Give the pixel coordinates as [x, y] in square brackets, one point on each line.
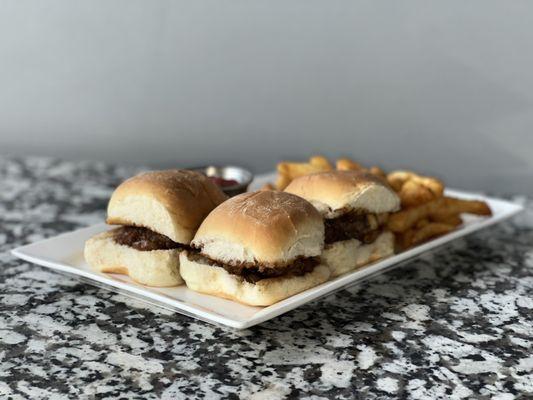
[254, 272]
[144, 239]
[353, 225]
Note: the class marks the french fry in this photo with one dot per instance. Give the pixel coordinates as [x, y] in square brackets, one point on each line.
[407, 218]
[403, 240]
[375, 170]
[287, 171]
[345, 164]
[421, 223]
[283, 181]
[459, 206]
[415, 192]
[396, 179]
[321, 162]
[429, 231]
[442, 213]
[445, 218]
[449, 210]
[454, 220]
[414, 189]
[295, 170]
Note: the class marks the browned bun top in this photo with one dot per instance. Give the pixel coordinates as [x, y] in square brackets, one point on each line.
[265, 226]
[333, 191]
[171, 202]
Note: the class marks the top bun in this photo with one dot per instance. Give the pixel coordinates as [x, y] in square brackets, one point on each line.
[173, 202]
[261, 227]
[335, 192]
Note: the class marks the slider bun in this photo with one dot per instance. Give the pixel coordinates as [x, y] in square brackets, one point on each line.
[264, 227]
[347, 255]
[172, 203]
[354, 190]
[217, 281]
[151, 268]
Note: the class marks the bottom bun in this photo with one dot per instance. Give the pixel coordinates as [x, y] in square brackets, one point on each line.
[217, 281]
[151, 268]
[347, 255]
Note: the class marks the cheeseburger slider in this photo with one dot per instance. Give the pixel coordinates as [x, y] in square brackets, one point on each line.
[257, 248]
[158, 213]
[355, 207]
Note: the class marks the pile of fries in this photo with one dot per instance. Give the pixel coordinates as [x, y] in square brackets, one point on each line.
[425, 213]
[418, 223]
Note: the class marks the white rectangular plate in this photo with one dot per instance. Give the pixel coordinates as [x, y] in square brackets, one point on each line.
[65, 253]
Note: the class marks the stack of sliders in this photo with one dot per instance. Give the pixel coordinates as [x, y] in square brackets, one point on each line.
[158, 213]
[355, 206]
[257, 248]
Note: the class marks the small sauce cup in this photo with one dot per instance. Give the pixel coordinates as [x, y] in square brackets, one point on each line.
[232, 180]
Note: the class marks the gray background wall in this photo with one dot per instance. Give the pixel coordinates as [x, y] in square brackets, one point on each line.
[443, 87]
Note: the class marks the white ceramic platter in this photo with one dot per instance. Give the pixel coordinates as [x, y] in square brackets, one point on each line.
[64, 253]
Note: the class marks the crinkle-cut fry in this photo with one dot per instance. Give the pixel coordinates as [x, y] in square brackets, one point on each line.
[346, 164]
[267, 187]
[459, 206]
[407, 218]
[321, 162]
[431, 230]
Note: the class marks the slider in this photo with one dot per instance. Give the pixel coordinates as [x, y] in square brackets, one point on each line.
[158, 213]
[257, 248]
[355, 206]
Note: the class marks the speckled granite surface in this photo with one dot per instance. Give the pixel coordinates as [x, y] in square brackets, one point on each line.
[457, 323]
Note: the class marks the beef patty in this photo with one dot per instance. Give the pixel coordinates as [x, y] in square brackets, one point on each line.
[144, 239]
[354, 225]
[254, 272]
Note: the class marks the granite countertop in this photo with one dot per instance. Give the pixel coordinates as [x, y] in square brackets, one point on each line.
[455, 323]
